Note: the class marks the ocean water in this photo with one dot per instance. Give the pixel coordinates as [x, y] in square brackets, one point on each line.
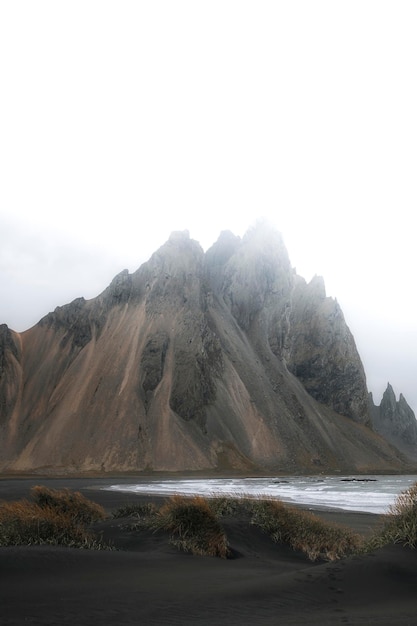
[371, 494]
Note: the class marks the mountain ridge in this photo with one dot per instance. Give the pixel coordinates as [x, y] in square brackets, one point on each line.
[196, 361]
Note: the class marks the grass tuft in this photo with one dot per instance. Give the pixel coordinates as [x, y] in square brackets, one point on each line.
[139, 510]
[193, 526]
[223, 506]
[400, 524]
[71, 503]
[304, 531]
[58, 518]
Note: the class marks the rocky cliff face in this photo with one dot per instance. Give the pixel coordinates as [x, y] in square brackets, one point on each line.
[395, 421]
[222, 360]
[10, 372]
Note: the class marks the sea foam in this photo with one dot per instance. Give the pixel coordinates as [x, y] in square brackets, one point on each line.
[371, 494]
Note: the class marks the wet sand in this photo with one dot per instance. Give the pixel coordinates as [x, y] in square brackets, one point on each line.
[147, 581]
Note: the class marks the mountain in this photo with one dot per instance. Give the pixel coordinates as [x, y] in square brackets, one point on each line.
[224, 360]
[395, 421]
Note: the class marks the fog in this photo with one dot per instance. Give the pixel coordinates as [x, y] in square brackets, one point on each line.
[120, 122]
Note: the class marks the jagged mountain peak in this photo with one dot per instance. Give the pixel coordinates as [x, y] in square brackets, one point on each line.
[263, 246]
[221, 251]
[389, 398]
[318, 286]
[179, 254]
[396, 421]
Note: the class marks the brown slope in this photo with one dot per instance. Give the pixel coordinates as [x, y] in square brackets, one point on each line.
[223, 360]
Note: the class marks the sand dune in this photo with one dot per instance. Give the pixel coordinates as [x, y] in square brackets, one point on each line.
[147, 581]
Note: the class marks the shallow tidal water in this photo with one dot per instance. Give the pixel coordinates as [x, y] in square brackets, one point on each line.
[370, 494]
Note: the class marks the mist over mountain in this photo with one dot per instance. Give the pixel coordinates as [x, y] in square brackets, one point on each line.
[224, 360]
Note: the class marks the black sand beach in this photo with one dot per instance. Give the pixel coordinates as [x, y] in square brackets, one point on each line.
[149, 582]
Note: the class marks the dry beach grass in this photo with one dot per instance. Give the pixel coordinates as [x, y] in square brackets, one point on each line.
[283, 565]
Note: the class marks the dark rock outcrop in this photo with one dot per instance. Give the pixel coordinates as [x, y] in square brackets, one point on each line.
[222, 360]
[10, 371]
[395, 421]
[321, 352]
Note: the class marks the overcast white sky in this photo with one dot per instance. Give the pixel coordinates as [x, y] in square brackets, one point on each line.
[123, 121]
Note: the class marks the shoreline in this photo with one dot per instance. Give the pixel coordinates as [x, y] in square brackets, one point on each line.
[17, 488]
[55, 473]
